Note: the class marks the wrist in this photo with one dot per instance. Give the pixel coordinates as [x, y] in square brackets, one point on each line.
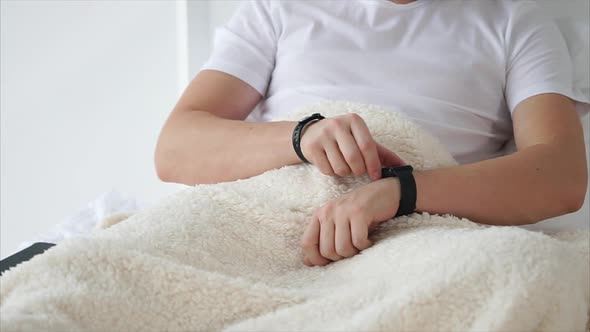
[298, 133]
[391, 187]
[419, 178]
[390, 194]
[407, 186]
[288, 143]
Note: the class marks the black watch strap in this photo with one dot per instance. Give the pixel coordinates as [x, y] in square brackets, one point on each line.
[407, 202]
[297, 134]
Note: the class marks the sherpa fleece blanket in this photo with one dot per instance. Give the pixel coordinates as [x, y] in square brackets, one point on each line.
[227, 257]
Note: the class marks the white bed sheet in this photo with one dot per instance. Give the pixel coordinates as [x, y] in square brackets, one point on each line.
[83, 222]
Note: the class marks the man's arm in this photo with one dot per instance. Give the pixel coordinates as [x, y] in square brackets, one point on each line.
[545, 178]
[205, 139]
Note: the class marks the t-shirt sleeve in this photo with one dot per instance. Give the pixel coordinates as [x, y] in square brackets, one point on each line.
[246, 46]
[537, 59]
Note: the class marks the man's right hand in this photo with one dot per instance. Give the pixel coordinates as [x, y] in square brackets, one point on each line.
[343, 146]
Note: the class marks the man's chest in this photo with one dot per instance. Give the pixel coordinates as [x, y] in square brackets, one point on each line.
[456, 63]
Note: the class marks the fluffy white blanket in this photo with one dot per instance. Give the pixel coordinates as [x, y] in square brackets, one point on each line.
[227, 256]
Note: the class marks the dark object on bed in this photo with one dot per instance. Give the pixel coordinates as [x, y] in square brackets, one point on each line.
[24, 255]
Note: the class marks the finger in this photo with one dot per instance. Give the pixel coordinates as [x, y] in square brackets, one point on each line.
[310, 244]
[388, 157]
[344, 246]
[336, 159]
[368, 148]
[359, 234]
[327, 248]
[350, 151]
[321, 161]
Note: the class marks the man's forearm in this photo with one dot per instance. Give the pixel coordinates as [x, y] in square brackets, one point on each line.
[197, 147]
[534, 184]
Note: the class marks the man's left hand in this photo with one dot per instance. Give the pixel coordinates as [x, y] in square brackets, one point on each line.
[341, 227]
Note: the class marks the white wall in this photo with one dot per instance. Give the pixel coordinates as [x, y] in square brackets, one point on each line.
[85, 88]
[200, 37]
[203, 18]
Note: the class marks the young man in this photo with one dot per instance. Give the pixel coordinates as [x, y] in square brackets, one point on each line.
[474, 73]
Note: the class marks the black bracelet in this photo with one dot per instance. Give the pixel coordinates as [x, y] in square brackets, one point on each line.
[297, 134]
[407, 202]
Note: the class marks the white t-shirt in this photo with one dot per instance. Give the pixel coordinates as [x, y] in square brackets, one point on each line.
[457, 68]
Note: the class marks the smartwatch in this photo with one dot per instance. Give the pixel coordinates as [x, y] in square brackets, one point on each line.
[407, 202]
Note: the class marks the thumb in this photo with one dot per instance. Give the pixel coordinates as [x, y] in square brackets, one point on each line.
[388, 158]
